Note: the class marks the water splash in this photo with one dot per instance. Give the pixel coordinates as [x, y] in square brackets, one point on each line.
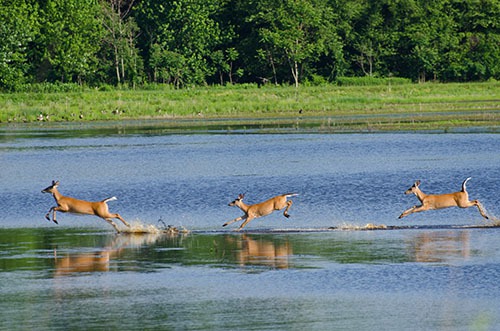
[172, 230]
[495, 221]
[354, 227]
[138, 226]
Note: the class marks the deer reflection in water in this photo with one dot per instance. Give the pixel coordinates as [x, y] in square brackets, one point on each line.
[258, 251]
[441, 246]
[100, 260]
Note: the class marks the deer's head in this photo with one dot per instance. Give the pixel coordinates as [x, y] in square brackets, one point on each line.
[236, 201]
[414, 188]
[51, 188]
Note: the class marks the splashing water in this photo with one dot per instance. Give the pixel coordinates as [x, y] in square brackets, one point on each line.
[138, 226]
[495, 221]
[368, 226]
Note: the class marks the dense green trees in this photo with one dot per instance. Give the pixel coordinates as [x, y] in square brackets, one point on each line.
[19, 24]
[191, 42]
[68, 41]
[180, 38]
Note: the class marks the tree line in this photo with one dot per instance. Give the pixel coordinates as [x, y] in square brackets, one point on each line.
[193, 42]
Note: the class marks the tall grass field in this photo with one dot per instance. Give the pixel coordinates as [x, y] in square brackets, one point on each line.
[385, 106]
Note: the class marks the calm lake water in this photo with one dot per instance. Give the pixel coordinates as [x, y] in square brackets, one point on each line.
[279, 274]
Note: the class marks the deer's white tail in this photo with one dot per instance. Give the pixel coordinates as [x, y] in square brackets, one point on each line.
[110, 199]
[464, 184]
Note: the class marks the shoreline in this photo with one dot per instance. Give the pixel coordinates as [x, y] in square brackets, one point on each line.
[427, 107]
[444, 122]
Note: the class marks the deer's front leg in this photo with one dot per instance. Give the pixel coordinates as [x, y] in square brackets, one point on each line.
[53, 210]
[62, 208]
[248, 219]
[235, 220]
[47, 216]
[413, 209]
[54, 214]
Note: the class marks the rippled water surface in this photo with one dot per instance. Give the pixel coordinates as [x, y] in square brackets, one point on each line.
[281, 273]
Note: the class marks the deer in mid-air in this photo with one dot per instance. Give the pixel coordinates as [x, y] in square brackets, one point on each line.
[440, 201]
[260, 209]
[72, 205]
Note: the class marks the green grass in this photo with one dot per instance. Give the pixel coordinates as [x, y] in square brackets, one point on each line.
[389, 107]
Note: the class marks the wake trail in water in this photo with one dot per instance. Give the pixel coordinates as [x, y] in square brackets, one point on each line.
[140, 227]
[367, 227]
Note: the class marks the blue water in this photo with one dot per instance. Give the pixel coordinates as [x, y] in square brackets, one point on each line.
[188, 180]
[81, 275]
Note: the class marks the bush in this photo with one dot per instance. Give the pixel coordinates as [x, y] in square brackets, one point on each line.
[315, 80]
[370, 81]
[49, 88]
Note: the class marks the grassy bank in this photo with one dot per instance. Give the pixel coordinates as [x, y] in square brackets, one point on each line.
[381, 107]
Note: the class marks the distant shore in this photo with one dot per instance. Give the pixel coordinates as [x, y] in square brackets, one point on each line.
[407, 107]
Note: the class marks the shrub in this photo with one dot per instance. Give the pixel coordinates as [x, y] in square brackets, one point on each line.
[49, 88]
[370, 81]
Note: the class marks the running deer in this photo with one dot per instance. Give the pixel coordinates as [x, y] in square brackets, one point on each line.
[440, 201]
[260, 209]
[71, 205]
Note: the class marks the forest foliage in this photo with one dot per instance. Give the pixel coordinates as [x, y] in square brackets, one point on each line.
[198, 42]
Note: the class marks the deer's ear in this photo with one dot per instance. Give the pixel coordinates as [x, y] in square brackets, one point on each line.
[55, 183]
[241, 196]
[417, 183]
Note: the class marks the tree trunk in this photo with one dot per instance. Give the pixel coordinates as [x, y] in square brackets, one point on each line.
[117, 65]
[295, 73]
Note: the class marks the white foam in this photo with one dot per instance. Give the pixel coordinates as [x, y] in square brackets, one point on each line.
[138, 226]
[368, 226]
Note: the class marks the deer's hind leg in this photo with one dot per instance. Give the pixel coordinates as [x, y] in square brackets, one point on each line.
[121, 219]
[288, 205]
[110, 221]
[478, 205]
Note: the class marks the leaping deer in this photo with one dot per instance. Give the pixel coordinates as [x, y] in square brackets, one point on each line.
[260, 209]
[440, 201]
[72, 205]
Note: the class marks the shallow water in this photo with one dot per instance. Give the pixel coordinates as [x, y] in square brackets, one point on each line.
[188, 180]
[80, 275]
